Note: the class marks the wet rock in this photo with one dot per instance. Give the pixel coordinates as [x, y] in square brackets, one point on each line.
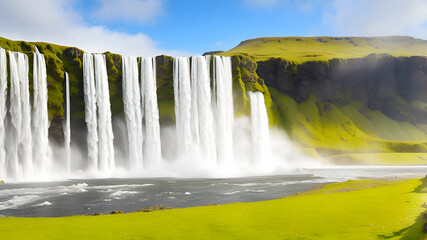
[55, 131]
[154, 208]
[116, 212]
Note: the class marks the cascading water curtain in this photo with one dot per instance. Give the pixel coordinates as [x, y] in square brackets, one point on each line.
[98, 114]
[19, 154]
[260, 130]
[152, 148]
[41, 153]
[105, 128]
[26, 154]
[132, 109]
[224, 112]
[67, 127]
[3, 111]
[182, 93]
[90, 111]
[204, 115]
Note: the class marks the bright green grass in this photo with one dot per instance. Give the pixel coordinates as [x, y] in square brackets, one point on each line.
[380, 158]
[365, 209]
[303, 49]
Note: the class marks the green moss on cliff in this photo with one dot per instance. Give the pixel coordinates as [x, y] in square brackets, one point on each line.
[55, 77]
[165, 93]
[246, 79]
[114, 71]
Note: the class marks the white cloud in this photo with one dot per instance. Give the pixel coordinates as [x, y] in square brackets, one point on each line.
[305, 6]
[56, 22]
[378, 17]
[261, 3]
[140, 11]
[219, 43]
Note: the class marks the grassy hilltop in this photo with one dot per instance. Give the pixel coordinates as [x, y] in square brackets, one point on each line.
[303, 49]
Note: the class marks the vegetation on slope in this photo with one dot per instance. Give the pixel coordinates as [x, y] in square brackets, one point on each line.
[303, 49]
[364, 209]
[325, 127]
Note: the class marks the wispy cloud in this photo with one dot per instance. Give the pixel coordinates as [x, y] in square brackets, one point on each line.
[261, 3]
[378, 17]
[219, 43]
[305, 6]
[139, 11]
[55, 21]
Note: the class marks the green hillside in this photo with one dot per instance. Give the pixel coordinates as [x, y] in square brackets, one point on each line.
[303, 49]
[335, 129]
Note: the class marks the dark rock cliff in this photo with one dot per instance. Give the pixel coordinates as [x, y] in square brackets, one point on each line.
[381, 82]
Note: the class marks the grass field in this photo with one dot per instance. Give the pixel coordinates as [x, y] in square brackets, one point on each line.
[303, 49]
[364, 209]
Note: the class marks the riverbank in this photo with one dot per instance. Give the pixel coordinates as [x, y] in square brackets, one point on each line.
[363, 209]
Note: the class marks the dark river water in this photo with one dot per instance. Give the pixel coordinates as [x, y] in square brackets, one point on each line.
[85, 196]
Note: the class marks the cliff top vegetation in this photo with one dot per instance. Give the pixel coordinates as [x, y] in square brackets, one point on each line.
[304, 49]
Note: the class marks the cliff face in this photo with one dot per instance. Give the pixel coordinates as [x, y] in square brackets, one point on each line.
[380, 82]
[376, 103]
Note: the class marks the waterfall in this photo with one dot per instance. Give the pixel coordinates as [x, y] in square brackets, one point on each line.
[67, 127]
[90, 110]
[132, 109]
[182, 93]
[105, 128]
[152, 148]
[98, 113]
[202, 115]
[224, 113]
[198, 107]
[41, 153]
[20, 148]
[203, 110]
[3, 111]
[260, 130]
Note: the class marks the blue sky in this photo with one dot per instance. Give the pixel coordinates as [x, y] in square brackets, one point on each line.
[187, 27]
[198, 26]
